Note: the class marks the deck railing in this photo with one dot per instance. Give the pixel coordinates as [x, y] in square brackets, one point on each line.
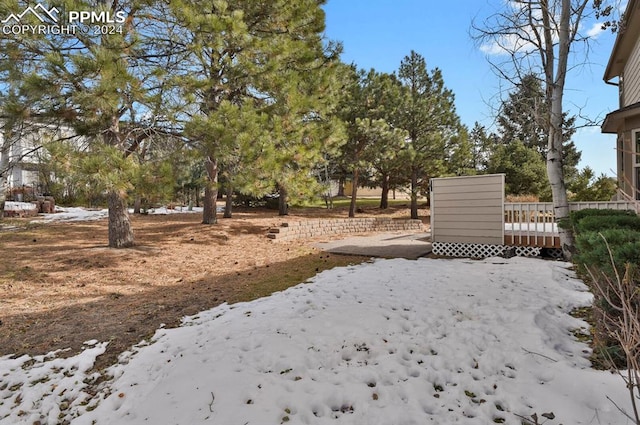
[534, 224]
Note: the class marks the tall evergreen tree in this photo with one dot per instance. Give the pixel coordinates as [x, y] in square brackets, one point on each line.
[17, 114]
[524, 116]
[460, 159]
[242, 59]
[93, 83]
[372, 141]
[482, 145]
[428, 115]
[524, 169]
[306, 129]
[587, 187]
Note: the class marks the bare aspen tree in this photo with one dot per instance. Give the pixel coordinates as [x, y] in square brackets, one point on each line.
[537, 37]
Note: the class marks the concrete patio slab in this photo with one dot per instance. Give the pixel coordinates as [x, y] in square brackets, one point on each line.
[384, 245]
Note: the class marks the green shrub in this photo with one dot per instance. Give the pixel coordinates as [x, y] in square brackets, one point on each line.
[593, 252]
[576, 216]
[594, 223]
[608, 241]
[608, 354]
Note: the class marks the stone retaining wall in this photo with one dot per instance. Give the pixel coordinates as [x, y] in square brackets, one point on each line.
[335, 226]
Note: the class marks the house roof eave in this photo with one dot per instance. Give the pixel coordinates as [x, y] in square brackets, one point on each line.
[625, 41]
[613, 120]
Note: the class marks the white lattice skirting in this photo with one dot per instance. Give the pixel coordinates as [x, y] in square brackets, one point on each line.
[474, 250]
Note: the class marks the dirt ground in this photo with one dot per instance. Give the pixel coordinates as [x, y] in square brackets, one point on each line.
[60, 285]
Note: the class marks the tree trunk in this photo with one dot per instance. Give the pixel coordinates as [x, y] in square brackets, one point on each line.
[4, 169]
[196, 194]
[414, 193]
[3, 192]
[283, 205]
[209, 215]
[2, 197]
[341, 186]
[120, 231]
[384, 198]
[555, 174]
[354, 193]
[136, 205]
[555, 90]
[560, 201]
[228, 203]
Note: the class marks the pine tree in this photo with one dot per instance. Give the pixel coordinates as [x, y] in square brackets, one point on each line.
[306, 130]
[460, 159]
[586, 187]
[429, 116]
[17, 63]
[524, 168]
[372, 143]
[245, 60]
[482, 146]
[101, 86]
[524, 116]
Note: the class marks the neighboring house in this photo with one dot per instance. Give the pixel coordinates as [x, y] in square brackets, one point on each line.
[20, 153]
[624, 64]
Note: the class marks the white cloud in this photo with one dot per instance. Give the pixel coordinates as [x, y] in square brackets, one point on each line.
[595, 30]
[493, 49]
[508, 44]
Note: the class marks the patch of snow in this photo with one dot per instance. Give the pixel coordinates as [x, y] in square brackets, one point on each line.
[45, 388]
[17, 206]
[85, 214]
[75, 214]
[390, 342]
[176, 210]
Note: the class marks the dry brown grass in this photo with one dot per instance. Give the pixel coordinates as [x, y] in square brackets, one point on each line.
[60, 285]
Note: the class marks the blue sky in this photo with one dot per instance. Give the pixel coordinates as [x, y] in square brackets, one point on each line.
[379, 33]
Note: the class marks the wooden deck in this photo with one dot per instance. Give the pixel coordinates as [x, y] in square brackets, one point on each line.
[533, 224]
[546, 241]
[469, 212]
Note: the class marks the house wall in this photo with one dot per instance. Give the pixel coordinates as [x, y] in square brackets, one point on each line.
[631, 93]
[622, 149]
[23, 155]
[626, 158]
[468, 209]
[22, 160]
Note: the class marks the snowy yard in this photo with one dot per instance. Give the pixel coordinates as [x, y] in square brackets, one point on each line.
[388, 342]
[83, 214]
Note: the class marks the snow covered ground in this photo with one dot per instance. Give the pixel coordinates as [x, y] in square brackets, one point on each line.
[16, 206]
[390, 342]
[84, 214]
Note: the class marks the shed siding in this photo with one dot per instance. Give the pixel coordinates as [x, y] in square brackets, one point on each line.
[632, 77]
[468, 209]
